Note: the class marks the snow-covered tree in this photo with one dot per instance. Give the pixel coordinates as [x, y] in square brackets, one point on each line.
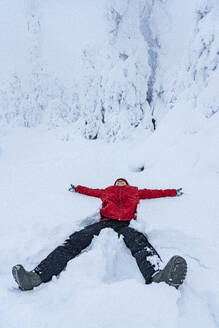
[124, 77]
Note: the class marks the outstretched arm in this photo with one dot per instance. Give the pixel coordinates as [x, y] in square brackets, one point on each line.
[89, 191]
[156, 193]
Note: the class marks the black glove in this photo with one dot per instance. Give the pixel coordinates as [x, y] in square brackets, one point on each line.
[179, 192]
[72, 188]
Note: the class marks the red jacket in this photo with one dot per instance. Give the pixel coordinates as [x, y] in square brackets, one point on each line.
[120, 202]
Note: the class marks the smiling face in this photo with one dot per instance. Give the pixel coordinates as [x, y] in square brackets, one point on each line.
[121, 183]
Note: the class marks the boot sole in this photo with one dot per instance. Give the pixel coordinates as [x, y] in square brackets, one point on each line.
[18, 274]
[176, 273]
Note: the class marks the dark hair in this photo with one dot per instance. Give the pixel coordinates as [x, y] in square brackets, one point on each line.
[122, 180]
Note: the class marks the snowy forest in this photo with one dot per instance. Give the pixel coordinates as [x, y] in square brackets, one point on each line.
[106, 67]
[94, 90]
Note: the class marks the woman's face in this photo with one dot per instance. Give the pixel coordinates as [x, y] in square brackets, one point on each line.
[121, 183]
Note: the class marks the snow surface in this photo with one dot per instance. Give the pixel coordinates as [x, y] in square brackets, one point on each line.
[103, 70]
[103, 287]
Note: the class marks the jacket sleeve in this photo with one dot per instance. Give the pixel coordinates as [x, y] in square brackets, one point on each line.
[156, 193]
[89, 191]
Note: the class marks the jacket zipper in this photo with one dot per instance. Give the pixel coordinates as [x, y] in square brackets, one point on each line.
[120, 199]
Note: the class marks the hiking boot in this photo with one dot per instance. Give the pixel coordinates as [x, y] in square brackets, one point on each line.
[173, 273]
[26, 280]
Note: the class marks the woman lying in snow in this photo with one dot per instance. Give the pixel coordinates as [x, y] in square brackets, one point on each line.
[119, 204]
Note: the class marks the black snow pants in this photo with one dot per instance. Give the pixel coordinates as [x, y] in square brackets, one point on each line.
[145, 255]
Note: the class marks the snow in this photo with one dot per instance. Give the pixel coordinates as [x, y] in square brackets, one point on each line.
[107, 68]
[80, 84]
[103, 286]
